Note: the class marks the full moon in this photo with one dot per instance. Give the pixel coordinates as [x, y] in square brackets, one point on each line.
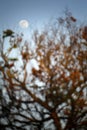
[23, 23]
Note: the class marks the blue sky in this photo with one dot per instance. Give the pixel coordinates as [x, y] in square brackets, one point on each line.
[38, 12]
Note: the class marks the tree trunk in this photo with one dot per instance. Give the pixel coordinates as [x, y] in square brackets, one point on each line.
[56, 120]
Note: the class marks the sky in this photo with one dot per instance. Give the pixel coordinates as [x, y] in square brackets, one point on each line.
[37, 12]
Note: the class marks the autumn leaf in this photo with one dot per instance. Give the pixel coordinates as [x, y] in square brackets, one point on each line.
[9, 74]
[73, 19]
[8, 33]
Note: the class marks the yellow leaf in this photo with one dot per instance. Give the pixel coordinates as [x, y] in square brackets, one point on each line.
[9, 74]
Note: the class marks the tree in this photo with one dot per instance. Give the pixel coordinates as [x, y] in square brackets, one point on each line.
[52, 95]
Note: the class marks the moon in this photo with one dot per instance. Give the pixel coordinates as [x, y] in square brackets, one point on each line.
[24, 23]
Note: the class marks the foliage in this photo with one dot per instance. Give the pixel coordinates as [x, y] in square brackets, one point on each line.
[44, 86]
